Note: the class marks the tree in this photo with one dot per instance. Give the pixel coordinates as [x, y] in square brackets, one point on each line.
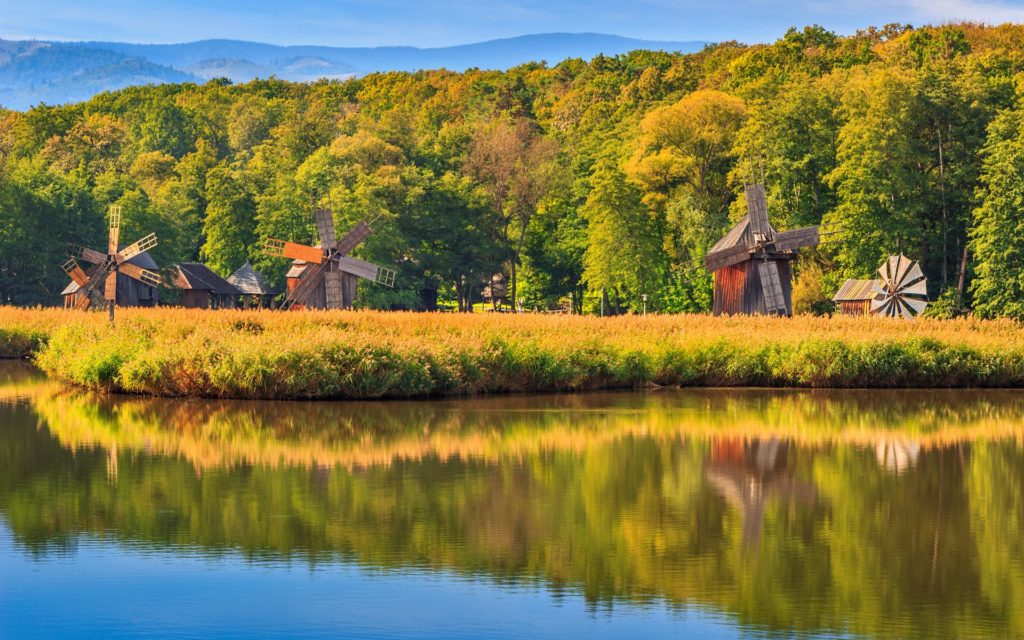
[517, 166]
[230, 225]
[997, 238]
[624, 250]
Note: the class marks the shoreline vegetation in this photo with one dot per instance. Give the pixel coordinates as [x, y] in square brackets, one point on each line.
[367, 354]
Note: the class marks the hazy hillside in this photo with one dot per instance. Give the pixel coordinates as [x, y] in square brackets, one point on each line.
[55, 72]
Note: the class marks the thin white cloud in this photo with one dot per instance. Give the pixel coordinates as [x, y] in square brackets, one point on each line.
[977, 10]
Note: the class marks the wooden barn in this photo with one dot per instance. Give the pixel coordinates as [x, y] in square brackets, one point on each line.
[855, 296]
[201, 288]
[253, 286]
[131, 292]
[751, 262]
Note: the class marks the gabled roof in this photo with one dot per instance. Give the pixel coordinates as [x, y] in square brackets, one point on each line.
[250, 281]
[857, 291]
[739, 235]
[193, 275]
[143, 260]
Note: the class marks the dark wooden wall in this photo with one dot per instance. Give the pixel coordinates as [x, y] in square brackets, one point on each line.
[195, 299]
[855, 307]
[349, 286]
[738, 288]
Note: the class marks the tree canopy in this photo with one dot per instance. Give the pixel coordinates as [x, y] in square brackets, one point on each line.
[608, 177]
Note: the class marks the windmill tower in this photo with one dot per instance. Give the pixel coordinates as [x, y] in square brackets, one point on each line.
[329, 275]
[751, 262]
[107, 266]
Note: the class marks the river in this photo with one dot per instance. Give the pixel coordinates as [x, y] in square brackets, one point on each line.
[695, 513]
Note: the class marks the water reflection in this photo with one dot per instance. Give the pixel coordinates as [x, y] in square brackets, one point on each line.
[888, 514]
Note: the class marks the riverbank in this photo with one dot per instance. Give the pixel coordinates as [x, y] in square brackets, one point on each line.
[348, 355]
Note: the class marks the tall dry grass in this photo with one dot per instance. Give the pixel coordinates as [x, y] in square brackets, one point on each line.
[314, 354]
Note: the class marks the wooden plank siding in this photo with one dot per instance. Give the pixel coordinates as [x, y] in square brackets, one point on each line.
[855, 307]
[738, 288]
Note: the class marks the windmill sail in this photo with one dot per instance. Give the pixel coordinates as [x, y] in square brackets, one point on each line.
[354, 238]
[902, 291]
[771, 287]
[757, 207]
[797, 238]
[325, 226]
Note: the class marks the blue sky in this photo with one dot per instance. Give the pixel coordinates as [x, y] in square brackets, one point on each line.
[444, 22]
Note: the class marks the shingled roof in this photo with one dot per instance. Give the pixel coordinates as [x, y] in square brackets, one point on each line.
[250, 281]
[739, 235]
[857, 291]
[193, 275]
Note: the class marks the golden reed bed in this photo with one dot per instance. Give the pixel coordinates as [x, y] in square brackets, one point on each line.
[364, 354]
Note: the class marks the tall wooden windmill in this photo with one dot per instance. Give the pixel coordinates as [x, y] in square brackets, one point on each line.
[751, 262]
[328, 279]
[106, 267]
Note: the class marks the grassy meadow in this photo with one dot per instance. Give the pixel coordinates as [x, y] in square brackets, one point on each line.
[364, 354]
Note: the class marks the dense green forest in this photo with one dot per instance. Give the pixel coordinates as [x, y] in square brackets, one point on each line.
[584, 178]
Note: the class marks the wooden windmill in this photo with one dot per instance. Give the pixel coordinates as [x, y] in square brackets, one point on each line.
[329, 277]
[106, 267]
[751, 262]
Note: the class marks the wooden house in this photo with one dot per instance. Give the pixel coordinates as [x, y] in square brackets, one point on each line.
[130, 291]
[253, 286]
[201, 288]
[855, 296]
[496, 291]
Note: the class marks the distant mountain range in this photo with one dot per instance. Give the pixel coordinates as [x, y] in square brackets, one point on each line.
[34, 71]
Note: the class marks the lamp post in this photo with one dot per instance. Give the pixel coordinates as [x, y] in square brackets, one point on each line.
[644, 296]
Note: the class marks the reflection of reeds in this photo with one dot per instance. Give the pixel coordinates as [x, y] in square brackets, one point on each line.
[253, 354]
[213, 433]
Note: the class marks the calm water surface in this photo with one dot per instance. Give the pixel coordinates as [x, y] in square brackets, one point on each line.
[711, 514]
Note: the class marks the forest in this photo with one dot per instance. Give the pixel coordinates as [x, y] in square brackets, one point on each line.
[586, 183]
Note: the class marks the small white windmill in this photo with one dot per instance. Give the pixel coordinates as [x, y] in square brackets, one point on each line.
[903, 290]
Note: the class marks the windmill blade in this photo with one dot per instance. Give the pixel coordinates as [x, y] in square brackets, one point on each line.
[726, 258]
[144, 276]
[366, 270]
[354, 238]
[307, 286]
[325, 226]
[903, 267]
[110, 287]
[75, 272]
[914, 274]
[115, 229]
[796, 238]
[910, 308]
[85, 253]
[135, 248]
[98, 277]
[333, 289]
[919, 288]
[757, 207]
[771, 286]
[292, 250]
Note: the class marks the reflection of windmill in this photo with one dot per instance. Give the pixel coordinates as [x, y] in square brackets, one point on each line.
[747, 473]
[897, 455]
[329, 276]
[107, 266]
[751, 262]
[903, 290]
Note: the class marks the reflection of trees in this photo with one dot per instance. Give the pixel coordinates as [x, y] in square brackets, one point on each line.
[610, 495]
[225, 433]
